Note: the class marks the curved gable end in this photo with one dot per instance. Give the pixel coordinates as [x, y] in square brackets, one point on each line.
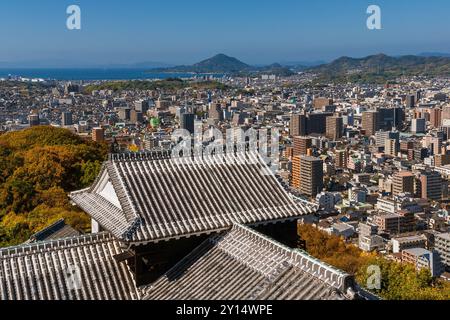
[160, 197]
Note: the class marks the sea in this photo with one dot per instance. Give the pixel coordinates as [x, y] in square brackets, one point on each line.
[86, 74]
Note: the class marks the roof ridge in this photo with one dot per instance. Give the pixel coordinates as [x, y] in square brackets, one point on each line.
[58, 223]
[296, 257]
[57, 244]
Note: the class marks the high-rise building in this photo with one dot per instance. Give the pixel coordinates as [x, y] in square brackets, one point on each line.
[381, 137]
[370, 122]
[141, 106]
[418, 125]
[124, 114]
[446, 113]
[391, 147]
[410, 101]
[187, 122]
[431, 185]
[98, 134]
[403, 182]
[66, 119]
[406, 145]
[436, 117]
[317, 122]
[390, 118]
[442, 246]
[311, 175]
[441, 160]
[319, 103]
[215, 112]
[334, 128]
[33, 120]
[136, 117]
[162, 104]
[298, 125]
[295, 172]
[435, 145]
[301, 145]
[341, 159]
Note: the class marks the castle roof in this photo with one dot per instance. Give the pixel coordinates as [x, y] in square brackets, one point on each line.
[152, 197]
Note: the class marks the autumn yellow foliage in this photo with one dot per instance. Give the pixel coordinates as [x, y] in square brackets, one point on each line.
[399, 281]
[38, 167]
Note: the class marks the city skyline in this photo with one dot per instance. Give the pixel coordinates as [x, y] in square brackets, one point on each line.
[184, 33]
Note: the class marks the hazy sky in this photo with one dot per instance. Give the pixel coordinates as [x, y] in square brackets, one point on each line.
[186, 31]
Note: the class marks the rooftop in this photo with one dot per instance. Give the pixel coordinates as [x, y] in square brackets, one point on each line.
[152, 197]
[245, 265]
[78, 268]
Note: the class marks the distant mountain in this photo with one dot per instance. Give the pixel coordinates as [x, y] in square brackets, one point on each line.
[380, 68]
[218, 64]
[222, 63]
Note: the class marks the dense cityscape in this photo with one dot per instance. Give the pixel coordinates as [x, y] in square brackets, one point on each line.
[210, 159]
[371, 159]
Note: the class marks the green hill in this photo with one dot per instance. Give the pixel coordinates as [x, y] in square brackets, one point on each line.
[222, 63]
[381, 68]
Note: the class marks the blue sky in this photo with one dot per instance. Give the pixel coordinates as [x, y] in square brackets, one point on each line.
[186, 31]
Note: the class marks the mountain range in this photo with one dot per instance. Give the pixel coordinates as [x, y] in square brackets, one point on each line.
[372, 68]
[381, 68]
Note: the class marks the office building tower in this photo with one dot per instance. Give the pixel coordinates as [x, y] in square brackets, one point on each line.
[391, 147]
[445, 113]
[319, 103]
[311, 175]
[390, 118]
[341, 159]
[33, 120]
[403, 182]
[142, 106]
[418, 125]
[442, 246]
[435, 145]
[66, 119]
[431, 185]
[124, 114]
[187, 122]
[301, 145]
[162, 104]
[317, 122]
[370, 122]
[334, 127]
[239, 118]
[298, 125]
[98, 135]
[136, 117]
[436, 117]
[410, 101]
[215, 112]
[382, 136]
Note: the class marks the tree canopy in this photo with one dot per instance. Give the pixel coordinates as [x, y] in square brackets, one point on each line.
[38, 167]
[399, 281]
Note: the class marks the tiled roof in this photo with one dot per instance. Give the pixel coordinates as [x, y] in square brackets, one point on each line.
[245, 265]
[57, 230]
[79, 268]
[162, 198]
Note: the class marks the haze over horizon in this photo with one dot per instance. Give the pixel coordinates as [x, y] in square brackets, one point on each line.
[181, 33]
